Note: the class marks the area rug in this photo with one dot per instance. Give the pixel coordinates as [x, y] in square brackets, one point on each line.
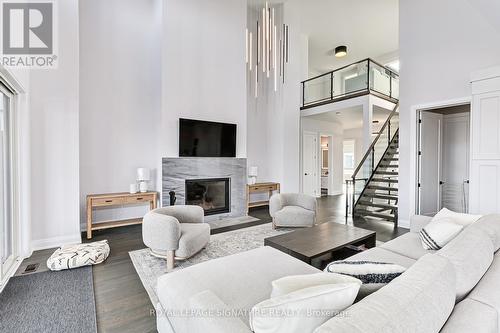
[49, 302]
[149, 268]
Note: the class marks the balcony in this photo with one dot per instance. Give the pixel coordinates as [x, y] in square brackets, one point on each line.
[361, 78]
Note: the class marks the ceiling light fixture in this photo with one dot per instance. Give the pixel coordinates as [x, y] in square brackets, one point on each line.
[267, 46]
[341, 51]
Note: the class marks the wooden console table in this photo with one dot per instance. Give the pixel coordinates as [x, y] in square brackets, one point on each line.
[261, 188]
[116, 199]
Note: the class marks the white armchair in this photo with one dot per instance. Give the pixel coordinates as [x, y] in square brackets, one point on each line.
[175, 232]
[292, 210]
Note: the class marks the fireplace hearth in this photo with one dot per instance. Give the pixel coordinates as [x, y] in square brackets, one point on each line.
[211, 194]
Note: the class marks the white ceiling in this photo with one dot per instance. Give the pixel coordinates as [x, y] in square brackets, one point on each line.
[352, 117]
[369, 29]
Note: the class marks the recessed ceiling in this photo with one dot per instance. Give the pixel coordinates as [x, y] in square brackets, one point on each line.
[369, 29]
[352, 117]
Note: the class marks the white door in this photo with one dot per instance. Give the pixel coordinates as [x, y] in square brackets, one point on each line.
[429, 163]
[455, 168]
[485, 164]
[6, 218]
[310, 164]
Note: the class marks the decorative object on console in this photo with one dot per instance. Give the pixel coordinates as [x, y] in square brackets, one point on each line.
[73, 256]
[374, 275]
[175, 232]
[133, 188]
[439, 232]
[143, 177]
[252, 175]
[173, 199]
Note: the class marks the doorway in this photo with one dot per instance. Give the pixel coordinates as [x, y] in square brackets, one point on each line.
[7, 227]
[443, 150]
[326, 172]
[309, 163]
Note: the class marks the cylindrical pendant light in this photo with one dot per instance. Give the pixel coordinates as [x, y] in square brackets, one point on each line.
[341, 51]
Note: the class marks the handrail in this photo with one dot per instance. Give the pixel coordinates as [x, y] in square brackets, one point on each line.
[374, 142]
[313, 97]
[354, 63]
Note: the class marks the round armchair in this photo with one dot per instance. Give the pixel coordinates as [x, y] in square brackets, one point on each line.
[175, 232]
[292, 210]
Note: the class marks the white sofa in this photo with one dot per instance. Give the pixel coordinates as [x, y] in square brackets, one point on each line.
[456, 289]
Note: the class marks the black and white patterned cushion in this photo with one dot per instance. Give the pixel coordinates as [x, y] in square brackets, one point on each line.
[73, 256]
[373, 274]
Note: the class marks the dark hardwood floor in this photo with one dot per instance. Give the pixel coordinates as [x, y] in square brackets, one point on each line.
[122, 304]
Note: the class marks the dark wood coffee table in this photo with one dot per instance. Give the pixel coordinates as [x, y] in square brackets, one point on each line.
[326, 238]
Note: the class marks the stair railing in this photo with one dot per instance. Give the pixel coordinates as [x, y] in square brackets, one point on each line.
[367, 166]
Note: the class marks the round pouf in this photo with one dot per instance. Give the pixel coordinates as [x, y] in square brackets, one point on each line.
[73, 256]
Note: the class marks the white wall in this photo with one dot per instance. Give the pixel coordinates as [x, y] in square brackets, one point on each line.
[274, 119]
[335, 130]
[356, 134]
[120, 98]
[54, 140]
[203, 67]
[441, 43]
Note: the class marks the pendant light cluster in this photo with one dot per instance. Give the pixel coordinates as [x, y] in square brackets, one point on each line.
[267, 47]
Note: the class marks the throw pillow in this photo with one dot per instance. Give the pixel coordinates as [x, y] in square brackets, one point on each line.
[438, 233]
[373, 274]
[459, 218]
[73, 256]
[291, 283]
[302, 310]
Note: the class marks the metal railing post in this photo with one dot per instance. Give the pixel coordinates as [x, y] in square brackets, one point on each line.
[331, 86]
[303, 94]
[373, 159]
[389, 133]
[390, 85]
[353, 195]
[368, 75]
[346, 198]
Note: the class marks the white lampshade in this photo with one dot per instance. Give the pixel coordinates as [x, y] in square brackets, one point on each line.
[253, 171]
[143, 174]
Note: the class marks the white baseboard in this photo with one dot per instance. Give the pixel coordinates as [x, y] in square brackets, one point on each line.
[403, 224]
[49, 243]
[10, 273]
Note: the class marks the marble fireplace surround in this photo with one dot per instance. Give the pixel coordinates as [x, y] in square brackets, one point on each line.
[175, 171]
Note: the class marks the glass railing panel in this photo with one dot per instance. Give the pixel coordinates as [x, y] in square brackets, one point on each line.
[317, 90]
[342, 82]
[380, 79]
[350, 79]
[395, 86]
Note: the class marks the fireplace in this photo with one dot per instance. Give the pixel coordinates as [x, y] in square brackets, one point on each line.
[212, 194]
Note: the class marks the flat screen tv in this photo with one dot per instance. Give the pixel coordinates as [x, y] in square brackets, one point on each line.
[206, 139]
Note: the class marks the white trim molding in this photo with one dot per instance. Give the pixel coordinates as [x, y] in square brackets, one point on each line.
[413, 145]
[55, 242]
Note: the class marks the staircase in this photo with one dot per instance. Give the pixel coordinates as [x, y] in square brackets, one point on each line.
[379, 198]
[375, 180]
